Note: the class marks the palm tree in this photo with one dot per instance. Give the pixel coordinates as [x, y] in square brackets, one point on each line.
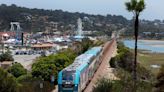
[136, 7]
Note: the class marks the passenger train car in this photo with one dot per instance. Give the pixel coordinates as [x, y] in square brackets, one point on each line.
[76, 76]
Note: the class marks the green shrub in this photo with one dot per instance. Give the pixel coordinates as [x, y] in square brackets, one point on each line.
[45, 67]
[123, 63]
[160, 80]
[17, 70]
[7, 82]
[103, 85]
[6, 56]
[112, 62]
[44, 71]
[24, 78]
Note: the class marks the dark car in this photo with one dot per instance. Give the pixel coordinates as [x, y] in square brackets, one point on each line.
[25, 52]
[17, 53]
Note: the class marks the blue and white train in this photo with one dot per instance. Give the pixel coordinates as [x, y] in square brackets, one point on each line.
[76, 76]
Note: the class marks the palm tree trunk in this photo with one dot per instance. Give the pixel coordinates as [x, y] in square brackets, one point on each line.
[136, 40]
[136, 25]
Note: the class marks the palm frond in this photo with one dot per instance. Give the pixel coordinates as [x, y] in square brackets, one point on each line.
[128, 6]
[135, 5]
[140, 6]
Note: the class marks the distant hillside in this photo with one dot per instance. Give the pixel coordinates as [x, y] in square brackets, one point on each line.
[34, 20]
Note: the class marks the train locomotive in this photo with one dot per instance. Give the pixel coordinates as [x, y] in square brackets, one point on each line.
[76, 76]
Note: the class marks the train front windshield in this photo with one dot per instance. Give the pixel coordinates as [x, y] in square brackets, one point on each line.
[68, 79]
[68, 75]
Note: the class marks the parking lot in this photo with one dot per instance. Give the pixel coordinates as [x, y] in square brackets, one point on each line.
[26, 58]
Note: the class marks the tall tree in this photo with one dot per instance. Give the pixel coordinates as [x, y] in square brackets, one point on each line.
[136, 7]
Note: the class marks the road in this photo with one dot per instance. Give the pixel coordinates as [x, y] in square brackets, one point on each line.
[103, 70]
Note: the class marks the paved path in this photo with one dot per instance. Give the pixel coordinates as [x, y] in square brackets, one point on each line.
[104, 70]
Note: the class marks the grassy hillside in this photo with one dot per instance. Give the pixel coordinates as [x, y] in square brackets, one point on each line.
[148, 59]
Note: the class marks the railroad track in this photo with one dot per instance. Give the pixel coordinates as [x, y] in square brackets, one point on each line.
[108, 50]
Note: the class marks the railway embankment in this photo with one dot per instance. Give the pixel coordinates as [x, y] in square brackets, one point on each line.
[104, 70]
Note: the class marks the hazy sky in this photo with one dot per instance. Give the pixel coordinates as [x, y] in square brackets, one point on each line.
[154, 8]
